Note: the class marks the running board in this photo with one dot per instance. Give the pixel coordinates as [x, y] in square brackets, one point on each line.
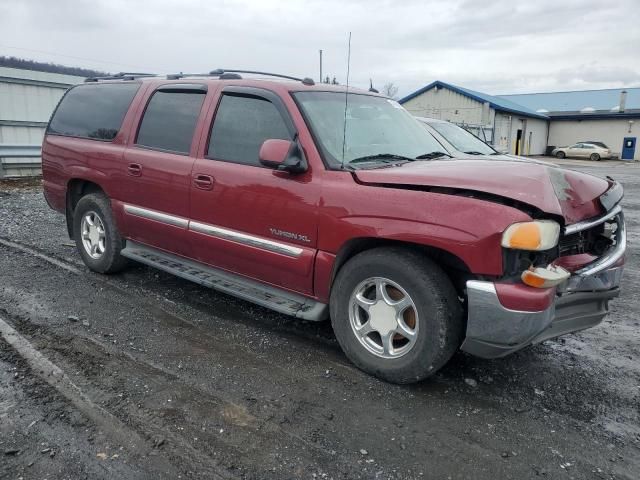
[265, 295]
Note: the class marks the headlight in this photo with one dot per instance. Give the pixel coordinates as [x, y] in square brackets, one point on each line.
[537, 235]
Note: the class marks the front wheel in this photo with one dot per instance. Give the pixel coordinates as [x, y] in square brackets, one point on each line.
[396, 314]
[560, 155]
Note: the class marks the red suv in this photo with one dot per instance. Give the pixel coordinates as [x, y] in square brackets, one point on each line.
[320, 202]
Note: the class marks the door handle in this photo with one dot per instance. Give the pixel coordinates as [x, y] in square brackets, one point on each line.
[203, 182]
[134, 169]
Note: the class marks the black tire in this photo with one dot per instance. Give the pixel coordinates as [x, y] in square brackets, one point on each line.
[440, 314]
[111, 261]
[594, 157]
[560, 155]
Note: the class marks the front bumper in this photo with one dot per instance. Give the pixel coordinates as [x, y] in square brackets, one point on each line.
[581, 302]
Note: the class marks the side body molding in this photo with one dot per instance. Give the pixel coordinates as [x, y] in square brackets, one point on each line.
[215, 231]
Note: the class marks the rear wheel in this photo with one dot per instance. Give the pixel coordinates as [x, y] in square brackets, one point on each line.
[97, 238]
[560, 154]
[395, 314]
[594, 157]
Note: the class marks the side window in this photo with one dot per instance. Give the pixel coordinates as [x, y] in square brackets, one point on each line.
[93, 111]
[240, 127]
[170, 120]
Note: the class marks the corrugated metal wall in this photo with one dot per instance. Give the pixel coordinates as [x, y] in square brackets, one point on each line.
[502, 132]
[448, 105]
[537, 131]
[500, 128]
[611, 132]
[27, 99]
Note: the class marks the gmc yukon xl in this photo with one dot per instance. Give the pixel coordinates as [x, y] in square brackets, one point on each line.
[321, 202]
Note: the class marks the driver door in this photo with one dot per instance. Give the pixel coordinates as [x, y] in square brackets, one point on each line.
[250, 219]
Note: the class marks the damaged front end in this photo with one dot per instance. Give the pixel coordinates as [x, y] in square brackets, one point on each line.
[585, 270]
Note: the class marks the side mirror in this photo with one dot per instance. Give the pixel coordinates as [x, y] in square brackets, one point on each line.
[282, 155]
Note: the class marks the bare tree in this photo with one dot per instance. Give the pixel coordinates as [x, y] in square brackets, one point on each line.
[390, 90]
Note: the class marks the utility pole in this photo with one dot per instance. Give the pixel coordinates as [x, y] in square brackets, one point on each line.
[320, 66]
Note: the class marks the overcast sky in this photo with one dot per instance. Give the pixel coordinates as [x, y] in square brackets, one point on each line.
[493, 46]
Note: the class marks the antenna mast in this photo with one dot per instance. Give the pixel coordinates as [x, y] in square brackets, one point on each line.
[346, 99]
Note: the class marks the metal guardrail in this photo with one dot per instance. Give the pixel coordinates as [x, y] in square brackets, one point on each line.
[20, 160]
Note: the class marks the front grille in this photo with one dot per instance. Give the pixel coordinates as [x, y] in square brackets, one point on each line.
[595, 240]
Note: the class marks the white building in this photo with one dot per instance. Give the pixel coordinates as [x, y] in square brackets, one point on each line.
[506, 125]
[527, 124]
[611, 116]
[27, 99]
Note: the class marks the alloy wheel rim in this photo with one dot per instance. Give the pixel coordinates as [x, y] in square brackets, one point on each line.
[383, 317]
[93, 235]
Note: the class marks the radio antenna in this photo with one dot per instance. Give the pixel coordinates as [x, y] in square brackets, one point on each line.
[346, 99]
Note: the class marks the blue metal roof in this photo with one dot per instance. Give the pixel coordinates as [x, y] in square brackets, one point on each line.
[497, 103]
[574, 101]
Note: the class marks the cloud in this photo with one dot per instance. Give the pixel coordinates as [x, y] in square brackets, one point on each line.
[498, 47]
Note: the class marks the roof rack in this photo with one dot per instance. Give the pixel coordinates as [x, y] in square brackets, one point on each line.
[215, 73]
[229, 74]
[221, 73]
[120, 76]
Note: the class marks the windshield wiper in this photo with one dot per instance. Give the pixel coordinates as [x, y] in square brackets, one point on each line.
[474, 152]
[432, 155]
[381, 157]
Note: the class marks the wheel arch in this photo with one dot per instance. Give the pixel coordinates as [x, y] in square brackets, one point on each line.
[455, 268]
[76, 189]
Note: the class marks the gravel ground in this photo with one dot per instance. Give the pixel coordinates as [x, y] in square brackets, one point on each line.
[184, 382]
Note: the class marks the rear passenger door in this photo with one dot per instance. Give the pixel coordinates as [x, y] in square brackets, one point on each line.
[250, 219]
[158, 167]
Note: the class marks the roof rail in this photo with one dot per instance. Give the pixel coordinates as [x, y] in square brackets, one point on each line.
[221, 75]
[228, 74]
[120, 76]
[306, 80]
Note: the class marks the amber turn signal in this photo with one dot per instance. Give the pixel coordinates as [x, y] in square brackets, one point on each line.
[536, 235]
[545, 277]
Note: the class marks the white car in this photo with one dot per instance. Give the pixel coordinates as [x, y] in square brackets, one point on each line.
[582, 150]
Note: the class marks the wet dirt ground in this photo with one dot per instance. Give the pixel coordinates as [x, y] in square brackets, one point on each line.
[166, 379]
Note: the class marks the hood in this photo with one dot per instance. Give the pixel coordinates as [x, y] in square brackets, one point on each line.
[566, 193]
[507, 157]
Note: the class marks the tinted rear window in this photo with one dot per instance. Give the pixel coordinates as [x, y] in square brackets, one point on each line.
[169, 121]
[93, 111]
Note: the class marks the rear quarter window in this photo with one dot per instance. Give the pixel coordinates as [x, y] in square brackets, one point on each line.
[93, 111]
[170, 120]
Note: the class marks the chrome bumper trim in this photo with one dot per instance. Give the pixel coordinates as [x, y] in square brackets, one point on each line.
[494, 331]
[601, 274]
[587, 224]
[489, 322]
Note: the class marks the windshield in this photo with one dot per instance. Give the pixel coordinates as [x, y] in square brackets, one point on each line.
[377, 129]
[461, 139]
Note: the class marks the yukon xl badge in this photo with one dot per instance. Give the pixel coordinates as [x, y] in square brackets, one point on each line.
[290, 235]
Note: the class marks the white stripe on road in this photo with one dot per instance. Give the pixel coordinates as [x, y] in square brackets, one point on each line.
[35, 253]
[54, 376]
